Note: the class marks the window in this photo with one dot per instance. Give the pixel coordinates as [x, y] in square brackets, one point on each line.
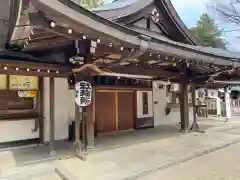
[145, 103]
[18, 98]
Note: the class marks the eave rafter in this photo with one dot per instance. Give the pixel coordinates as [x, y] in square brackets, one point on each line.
[158, 59]
[33, 69]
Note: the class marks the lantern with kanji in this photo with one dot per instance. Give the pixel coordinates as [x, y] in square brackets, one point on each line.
[83, 93]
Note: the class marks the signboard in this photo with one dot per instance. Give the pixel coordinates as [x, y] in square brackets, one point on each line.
[212, 93]
[174, 87]
[29, 94]
[79, 60]
[3, 81]
[23, 82]
[201, 94]
[83, 93]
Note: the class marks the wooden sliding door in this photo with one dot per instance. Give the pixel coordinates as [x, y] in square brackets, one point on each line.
[115, 110]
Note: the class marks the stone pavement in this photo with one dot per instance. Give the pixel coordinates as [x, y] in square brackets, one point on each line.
[134, 160]
[220, 165]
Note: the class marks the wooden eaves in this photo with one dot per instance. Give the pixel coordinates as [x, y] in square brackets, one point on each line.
[203, 61]
[13, 63]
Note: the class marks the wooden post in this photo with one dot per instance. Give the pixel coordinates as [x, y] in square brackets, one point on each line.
[84, 129]
[40, 99]
[80, 123]
[195, 126]
[52, 117]
[77, 132]
[227, 104]
[91, 127]
[193, 88]
[184, 109]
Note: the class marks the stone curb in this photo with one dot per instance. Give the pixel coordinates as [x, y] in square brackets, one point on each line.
[142, 173]
[65, 174]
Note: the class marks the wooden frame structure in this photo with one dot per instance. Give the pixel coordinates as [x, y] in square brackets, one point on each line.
[112, 47]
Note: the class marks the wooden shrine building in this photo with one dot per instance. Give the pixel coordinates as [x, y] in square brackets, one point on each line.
[121, 49]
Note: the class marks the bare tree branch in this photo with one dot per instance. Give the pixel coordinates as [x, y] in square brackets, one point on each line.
[228, 10]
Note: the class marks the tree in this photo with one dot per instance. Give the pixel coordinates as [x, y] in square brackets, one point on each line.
[208, 32]
[88, 4]
[228, 10]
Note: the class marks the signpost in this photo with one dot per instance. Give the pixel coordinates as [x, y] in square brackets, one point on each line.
[83, 98]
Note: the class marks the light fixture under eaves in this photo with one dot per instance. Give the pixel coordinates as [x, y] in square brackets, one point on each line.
[53, 24]
[69, 31]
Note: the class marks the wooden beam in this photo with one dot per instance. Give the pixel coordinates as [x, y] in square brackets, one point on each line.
[42, 38]
[35, 73]
[46, 42]
[148, 72]
[227, 82]
[40, 99]
[34, 65]
[37, 19]
[44, 46]
[184, 109]
[52, 117]
[104, 49]
[39, 32]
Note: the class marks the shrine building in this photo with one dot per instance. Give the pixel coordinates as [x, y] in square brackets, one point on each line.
[140, 58]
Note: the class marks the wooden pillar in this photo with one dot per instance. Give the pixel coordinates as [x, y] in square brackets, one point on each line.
[52, 117]
[227, 104]
[91, 122]
[195, 127]
[84, 128]
[193, 88]
[184, 109]
[40, 99]
[80, 126]
[77, 130]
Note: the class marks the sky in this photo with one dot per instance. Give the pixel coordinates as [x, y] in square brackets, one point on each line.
[190, 12]
[186, 7]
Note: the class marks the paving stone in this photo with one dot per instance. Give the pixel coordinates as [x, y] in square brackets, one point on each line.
[220, 165]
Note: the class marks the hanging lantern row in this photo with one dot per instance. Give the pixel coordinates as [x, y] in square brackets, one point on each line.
[154, 13]
[98, 40]
[31, 70]
[70, 31]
